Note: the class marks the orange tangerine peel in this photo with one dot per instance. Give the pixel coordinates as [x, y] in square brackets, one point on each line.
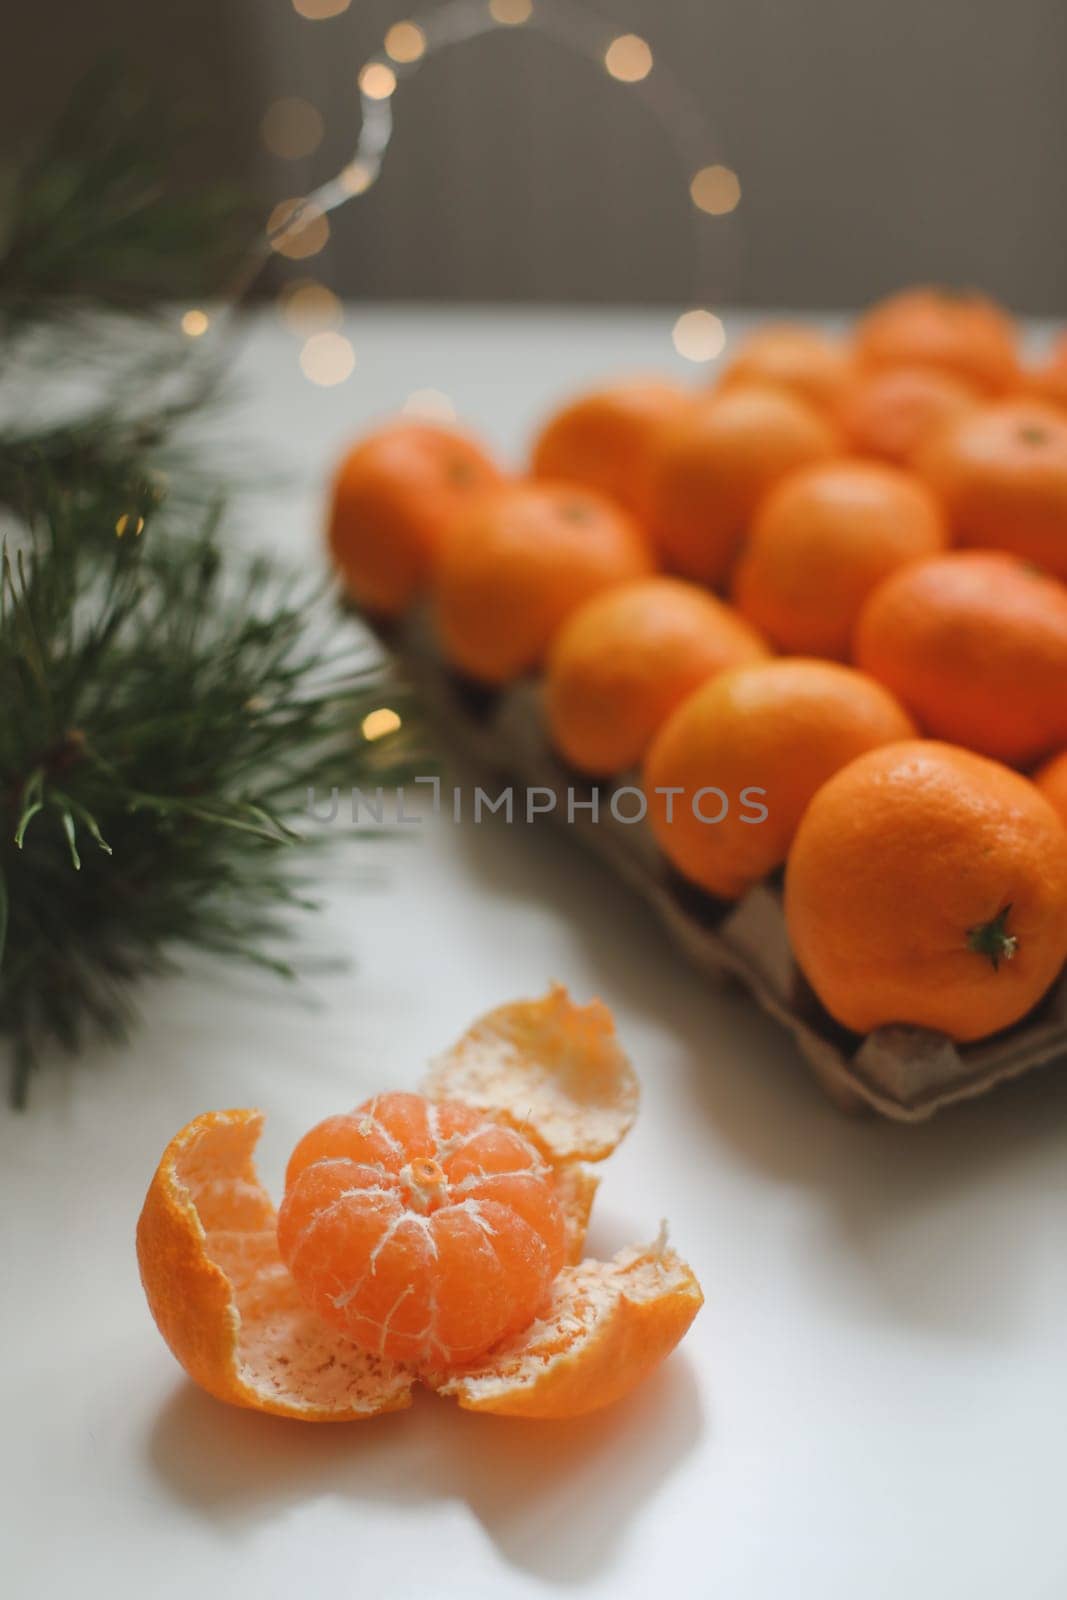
[234, 1317]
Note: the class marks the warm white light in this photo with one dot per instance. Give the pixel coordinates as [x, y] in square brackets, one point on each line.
[715, 190]
[511, 13]
[699, 336]
[127, 524]
[327, 358]
[194, 323]
[291, 128]
[356, 178]
[320, 10]
[308, 307]
[628, 58]
[405, 42]
[376, 724]
[431, 404]
[308, 234]
[377, 80]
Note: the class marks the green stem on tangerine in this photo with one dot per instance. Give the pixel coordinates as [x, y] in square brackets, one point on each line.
[993, 940]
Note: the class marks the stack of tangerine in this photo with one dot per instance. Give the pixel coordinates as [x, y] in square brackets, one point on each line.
[837, 579]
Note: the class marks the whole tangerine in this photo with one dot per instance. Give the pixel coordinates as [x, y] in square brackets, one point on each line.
[757, 739]
[514, 569]
[1048, 380]
[602, 439]
[394, 496]
[1001, 472]
[623, 661]
[786, 355]
[1052, 781]
[890, 412]
[974, 643]
[928, 886]
[961, 332]
[822, 541]
[712, 465]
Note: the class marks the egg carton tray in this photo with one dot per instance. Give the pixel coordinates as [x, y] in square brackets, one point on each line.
[900, 1072]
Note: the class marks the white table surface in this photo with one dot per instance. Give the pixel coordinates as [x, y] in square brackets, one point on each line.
[872, 1403]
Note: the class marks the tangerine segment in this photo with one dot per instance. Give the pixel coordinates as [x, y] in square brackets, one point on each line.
[424, 1232]
[224, 1302]
[549, 1067]
[609, 1324]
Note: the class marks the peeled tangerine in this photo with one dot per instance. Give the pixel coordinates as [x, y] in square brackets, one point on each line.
[433, 1237]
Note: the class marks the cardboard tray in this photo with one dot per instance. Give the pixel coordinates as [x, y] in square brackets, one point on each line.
[903, 1073]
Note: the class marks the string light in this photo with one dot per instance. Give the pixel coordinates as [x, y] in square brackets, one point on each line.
[327, 359]
[628, 58]
[195, 323]
[127, 524]
[433, 405]
[377, 80]
[715, 190]
[320, 10]
[291, 128]
[308, 233]
[308, 306]
[699, 335]
[405, 42]
[511, 13]
[377, 724]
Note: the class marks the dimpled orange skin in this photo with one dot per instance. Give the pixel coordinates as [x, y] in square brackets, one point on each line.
[974, 643]
[422, 1231]
[890, 413]
[1001, 473]
[1052, 781]
[602, 439]
[911, 869]
[783, 727]
[711, 467]
[514, 570]
[962, 333]
[394, 495]
[623, 661]
[822, 541]
[785, 355]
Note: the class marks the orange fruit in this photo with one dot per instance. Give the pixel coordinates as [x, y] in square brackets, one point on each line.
[601, 439]
[821, 541]
[422, 1230]
[928, 885]
[394, 496]
[1001, 471]
[623, 661]
[743, 757]
[712, 465]
[1049, 380]
[514, 569]
[235, 1317]
[1052, 781]
[974, 643]
[786, 355]
[962, 333]
[890, 412]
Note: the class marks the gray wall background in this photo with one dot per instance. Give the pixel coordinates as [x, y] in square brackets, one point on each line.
[877, 141]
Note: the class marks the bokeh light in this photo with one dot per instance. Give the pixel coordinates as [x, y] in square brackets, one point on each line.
[511, 13]
[291, 128]
[699, 335]
[628, 58]
[715, 190]
[194, 322]
[376, 724]
[308, 306]
[308, 234]
[377, 80]
[327, 358]
[356, 178]
[320, 10]
[432, 405]
[405, 42]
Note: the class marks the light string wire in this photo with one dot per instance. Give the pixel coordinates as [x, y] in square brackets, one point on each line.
[626, 57]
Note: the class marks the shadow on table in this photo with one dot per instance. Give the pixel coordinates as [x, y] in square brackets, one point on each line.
[555, 1498]
[931, 1213]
